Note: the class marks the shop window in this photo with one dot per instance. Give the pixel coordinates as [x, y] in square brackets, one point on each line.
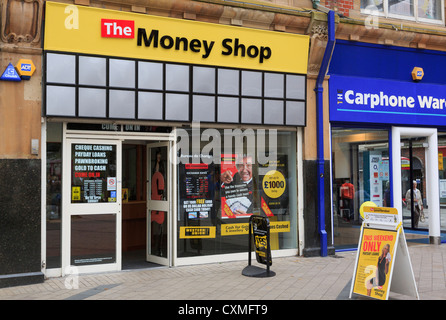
[218, 194]
[361, 173]
[53, 195]
[418, 10]
[442, 177]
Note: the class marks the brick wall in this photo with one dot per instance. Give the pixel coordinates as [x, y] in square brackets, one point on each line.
[339, 6]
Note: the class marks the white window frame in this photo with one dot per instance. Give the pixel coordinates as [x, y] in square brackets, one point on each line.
[414, 18]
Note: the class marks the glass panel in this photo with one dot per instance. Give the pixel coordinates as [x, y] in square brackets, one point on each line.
[404, 8]
[177, 107]
[251, 111]
[295, 87]
[442, 177]
[429, 9]
[60, 101]
[177, 77]
[158, 233]
[228, 81]
[274, 85]
[92, 102]
[61, 68]
[158, 184]
[295, 113]
[217, 198]
[273, 112]
[93, 239]
[93, 173]
[204, 80]
[413, 185]
[227, 109]
[251, 83]
[372, 5]
[150, 105]
[122, 73]
[122, 104]
[53, 195]
[150, 75]
[203, 108]
[361, 173]
[92, 71]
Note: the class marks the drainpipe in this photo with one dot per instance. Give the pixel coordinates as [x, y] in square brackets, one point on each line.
[320, 130]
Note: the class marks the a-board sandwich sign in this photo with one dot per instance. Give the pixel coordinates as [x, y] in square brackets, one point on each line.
[382, 263]
[260, 231]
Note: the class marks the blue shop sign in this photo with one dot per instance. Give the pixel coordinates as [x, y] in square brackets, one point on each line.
[371, 100]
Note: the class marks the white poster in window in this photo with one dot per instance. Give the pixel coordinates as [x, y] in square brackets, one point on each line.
[375, 181]
[111, 183]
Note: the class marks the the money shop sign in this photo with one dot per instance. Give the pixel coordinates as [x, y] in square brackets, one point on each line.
[89, 30]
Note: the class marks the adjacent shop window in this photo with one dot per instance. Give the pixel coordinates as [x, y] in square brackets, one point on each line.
[53, 194]
[419, 10]
[361, 173]
[222, 184]
[93, 168]
[442, 177]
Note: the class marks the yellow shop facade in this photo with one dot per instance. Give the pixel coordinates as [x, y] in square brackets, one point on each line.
[164, 135]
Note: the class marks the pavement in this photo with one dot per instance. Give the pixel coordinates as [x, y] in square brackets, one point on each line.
[296, 278]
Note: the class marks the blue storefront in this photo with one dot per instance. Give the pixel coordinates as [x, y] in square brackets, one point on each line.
[387, 112]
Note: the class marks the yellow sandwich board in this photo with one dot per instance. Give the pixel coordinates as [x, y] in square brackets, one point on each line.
[382, 262]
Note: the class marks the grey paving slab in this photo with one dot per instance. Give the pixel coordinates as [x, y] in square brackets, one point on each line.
[297, 278]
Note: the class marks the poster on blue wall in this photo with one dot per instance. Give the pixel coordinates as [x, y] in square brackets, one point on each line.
[370, 100]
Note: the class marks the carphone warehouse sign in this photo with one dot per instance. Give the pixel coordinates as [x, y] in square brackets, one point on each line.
[355, 99]
[89, 30]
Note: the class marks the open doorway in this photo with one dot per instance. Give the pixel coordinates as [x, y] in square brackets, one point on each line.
[134, 205]
[413, 183]
[145, 204]
[421, 142]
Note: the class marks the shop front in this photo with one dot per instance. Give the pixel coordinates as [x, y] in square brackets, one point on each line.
[164, 136]
[387, 137]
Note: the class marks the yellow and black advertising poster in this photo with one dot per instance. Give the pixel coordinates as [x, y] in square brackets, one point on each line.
[273, 186]
[374, 263]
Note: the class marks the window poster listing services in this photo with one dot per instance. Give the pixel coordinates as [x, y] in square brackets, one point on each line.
[93, 173]
[196, 190]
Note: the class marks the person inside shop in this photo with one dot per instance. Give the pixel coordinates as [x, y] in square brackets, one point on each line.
[347, 193]
[243, 175]
[417, 202]
[157, 193]
[386, 202]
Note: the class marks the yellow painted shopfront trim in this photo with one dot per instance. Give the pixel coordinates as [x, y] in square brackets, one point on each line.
[71, 28]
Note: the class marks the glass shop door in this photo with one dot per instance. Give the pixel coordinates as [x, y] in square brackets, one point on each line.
[159, 203]
[91, 232]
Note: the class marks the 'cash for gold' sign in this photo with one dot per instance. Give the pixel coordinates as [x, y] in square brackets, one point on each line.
[232, 229]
